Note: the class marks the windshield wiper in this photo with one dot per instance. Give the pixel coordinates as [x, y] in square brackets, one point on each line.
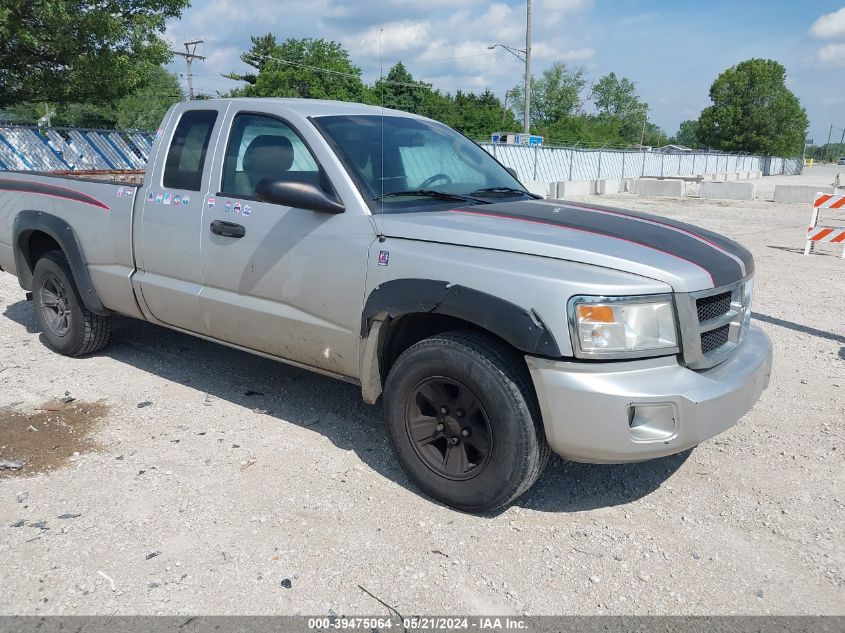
[430, 193]
[479, 192]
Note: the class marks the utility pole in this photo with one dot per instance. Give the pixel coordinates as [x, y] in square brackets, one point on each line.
[190, 55]
[527, 115]
[827, 146]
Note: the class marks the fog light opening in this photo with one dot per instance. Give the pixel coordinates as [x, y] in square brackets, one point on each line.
[652, 422]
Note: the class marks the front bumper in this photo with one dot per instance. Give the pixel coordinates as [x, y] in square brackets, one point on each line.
[612, 412]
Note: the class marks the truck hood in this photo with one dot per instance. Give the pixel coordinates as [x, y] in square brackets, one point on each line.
[684, 256]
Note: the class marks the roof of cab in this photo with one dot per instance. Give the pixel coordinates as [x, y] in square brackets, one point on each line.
[315, 107]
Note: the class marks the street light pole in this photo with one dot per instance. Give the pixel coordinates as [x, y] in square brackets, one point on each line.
[527, 115]
[642, 134]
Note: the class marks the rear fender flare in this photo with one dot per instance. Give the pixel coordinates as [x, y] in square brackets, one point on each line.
[28, 222]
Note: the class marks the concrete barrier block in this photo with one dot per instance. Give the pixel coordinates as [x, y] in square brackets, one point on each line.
[727, 190]
[659, 188]
[607, 187]
[540, 188]
[755, 174]
[575, 188]
[798, 194]
[628, 185]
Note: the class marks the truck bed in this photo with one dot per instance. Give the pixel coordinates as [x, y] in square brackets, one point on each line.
[100, 213]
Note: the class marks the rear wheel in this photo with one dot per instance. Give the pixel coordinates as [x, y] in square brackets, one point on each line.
[463, 419]
[69, 327]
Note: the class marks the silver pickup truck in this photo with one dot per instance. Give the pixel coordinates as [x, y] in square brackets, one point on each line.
[387, 250]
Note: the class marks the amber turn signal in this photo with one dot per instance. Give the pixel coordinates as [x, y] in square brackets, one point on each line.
[595, 313]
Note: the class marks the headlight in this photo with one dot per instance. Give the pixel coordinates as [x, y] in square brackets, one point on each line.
[623, 327]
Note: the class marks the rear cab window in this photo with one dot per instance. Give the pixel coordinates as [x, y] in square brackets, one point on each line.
[186, 155]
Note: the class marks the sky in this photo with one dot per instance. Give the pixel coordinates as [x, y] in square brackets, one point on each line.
[671, 49]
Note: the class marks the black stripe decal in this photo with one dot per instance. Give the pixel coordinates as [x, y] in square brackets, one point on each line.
[720, 241]
[722, 268]
[54, 191]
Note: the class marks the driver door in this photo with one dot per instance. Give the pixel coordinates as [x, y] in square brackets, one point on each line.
[284, 281]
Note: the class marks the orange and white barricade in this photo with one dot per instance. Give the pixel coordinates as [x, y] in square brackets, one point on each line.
[816, 233]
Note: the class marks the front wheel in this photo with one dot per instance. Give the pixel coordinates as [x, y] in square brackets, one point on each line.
[69, 327]
[463, 420]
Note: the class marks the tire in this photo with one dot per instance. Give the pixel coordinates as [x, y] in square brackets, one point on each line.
[439, 435]
[69, 327]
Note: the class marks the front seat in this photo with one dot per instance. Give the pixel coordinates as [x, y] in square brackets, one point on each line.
[267, 156]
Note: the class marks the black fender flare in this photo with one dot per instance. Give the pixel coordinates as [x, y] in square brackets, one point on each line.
[524, 329]
[28, 222]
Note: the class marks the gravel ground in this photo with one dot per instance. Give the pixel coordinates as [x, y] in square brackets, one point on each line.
[245, 486]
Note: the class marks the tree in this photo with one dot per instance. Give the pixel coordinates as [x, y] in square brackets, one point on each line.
[616, 98]
[555, 96]
[619, 106]
[476, 115]
[145, 108]
[687, 134]
[754, 111]
[307, 68]
[263, 47]
[400, 91]
[80, 51]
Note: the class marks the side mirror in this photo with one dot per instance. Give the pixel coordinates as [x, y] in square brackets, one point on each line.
[301, 195]
[513, 173]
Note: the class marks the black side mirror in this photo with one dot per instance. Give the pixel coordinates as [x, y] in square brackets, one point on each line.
[301, 195]
[513, 173]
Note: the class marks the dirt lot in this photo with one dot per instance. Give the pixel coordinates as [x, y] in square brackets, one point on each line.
[211, 481]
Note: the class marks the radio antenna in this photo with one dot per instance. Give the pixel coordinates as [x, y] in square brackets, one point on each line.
[380, 223]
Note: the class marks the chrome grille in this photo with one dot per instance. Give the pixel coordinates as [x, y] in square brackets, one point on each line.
[711, 322]
[713, 306]
[714, 339]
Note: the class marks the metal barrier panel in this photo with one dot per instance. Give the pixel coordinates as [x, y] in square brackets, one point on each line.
[52, 149]
[552, 164]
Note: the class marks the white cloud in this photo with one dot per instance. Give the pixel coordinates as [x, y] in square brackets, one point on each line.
[829, 25]
[391, 39]
[832, 55]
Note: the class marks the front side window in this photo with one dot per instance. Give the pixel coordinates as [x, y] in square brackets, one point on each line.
[265, 147]
[186, 156]
[393, 155]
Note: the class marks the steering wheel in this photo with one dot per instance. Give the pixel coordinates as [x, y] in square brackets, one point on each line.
[425, 184]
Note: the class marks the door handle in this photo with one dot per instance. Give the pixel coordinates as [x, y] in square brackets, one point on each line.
[227, 229]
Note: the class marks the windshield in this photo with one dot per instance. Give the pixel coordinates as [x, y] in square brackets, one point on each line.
[416, 161]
